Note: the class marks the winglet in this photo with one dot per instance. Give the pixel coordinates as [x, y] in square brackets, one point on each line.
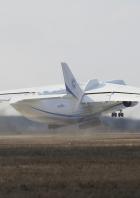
[71, 84]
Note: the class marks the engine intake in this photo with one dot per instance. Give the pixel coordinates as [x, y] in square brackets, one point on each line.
[129, 103]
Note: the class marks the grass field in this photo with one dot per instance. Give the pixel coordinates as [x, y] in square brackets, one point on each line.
[50, 167]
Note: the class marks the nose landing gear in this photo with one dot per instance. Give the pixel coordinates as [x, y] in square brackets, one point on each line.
[120, 114]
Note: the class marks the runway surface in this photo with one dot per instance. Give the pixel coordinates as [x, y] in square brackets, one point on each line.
[64, 165]
[62, 139]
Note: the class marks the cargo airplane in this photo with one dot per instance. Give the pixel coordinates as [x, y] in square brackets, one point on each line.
[72, 102]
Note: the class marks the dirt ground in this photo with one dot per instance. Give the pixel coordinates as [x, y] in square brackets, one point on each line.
[104, 165]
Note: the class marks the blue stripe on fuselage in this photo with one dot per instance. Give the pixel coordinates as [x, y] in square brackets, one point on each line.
[57, 114]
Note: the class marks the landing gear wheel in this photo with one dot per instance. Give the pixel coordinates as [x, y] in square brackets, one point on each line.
[121, 115]
[114, 114]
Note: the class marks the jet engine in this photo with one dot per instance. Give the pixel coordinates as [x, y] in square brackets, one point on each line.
[129, 103]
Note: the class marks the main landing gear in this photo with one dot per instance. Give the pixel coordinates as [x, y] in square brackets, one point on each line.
[120, 114]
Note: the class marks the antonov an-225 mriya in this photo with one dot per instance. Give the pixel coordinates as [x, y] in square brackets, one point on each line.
[72, 103]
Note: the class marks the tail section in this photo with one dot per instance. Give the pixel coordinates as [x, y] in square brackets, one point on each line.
[71, 84]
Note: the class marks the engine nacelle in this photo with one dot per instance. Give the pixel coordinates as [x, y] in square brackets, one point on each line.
[129, 103]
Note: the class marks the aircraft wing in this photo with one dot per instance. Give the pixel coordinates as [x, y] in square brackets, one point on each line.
[112, 93]
[37, 92]
[111, 97]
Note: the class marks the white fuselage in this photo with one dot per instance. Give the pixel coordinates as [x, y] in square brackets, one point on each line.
[60, 110]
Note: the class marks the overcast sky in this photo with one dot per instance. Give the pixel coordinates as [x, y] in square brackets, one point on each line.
[97, 38]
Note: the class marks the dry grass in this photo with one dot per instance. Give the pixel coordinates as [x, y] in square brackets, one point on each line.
[69, 171]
